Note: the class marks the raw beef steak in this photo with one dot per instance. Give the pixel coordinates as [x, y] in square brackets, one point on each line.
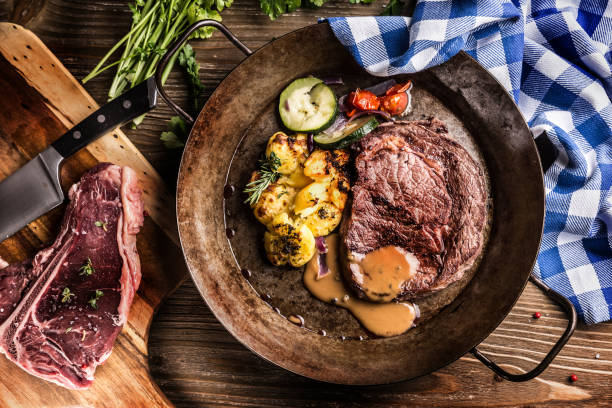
[73, 298]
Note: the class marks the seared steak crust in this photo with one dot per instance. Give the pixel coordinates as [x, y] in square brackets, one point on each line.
[418, 189]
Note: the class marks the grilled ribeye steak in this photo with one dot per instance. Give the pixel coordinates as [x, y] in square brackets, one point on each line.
[417, 189]
[69, 303]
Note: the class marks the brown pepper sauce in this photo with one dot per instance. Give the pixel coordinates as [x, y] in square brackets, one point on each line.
[382, 319]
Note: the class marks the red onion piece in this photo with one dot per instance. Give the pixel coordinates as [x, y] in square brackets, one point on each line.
[381, 88]
[409, 105]
[332, 80]
[323, 268]
[342, 104]
[338, 124]
[370, 112]
[321, 245]
[310, 142]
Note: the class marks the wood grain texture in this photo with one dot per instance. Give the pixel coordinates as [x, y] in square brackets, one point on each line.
[197, 363]
[42, 101]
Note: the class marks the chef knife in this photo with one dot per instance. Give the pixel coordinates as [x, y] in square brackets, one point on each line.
[35, 188]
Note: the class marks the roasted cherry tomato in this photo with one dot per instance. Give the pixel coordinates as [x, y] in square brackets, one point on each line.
[395, 104]
[399, 88]
[363, 100]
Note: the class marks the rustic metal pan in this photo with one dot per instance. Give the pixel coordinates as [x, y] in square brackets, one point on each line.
[225, 142]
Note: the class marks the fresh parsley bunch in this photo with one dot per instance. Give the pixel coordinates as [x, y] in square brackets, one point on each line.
[274, 8]
[155, 25]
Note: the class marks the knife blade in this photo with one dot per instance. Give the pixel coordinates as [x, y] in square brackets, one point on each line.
[30, 192]
[35, 188]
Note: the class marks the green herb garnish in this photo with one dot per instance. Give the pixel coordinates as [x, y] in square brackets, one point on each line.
[177, 133]
[87, 269]
[268, 174]
[66, 295]
[187, 60]
[93, 302]
[156, 24]
[282, 193]
[393, 8]
[101, 225]
[68, 330]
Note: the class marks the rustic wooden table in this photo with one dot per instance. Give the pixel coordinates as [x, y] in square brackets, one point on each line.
[197, 363]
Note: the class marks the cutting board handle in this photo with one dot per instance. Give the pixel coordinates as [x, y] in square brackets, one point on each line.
[177, 45]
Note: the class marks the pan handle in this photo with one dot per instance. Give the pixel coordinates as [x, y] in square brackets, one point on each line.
[571, 325]
[173, 49]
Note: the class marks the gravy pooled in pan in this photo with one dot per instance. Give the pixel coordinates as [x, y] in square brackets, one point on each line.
[382, 319]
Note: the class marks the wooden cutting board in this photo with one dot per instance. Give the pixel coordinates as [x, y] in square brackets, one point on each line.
[39, 101]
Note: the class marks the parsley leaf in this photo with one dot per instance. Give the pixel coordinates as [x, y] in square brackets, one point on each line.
[393, 8]
[176, 135]
[187, 60]
[274, 8]
[195, 13]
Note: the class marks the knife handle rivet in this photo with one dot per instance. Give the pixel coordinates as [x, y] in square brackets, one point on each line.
[76, 134]
[127, 104]
[101, 118]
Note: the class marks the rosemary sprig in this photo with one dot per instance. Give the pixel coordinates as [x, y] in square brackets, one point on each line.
[268, 174]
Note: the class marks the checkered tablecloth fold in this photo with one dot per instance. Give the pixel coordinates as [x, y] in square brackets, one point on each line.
[555, 59]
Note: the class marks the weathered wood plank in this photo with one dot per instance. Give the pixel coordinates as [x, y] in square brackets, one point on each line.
[196, 362]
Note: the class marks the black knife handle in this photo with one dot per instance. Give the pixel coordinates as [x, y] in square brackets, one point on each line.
[127, 106]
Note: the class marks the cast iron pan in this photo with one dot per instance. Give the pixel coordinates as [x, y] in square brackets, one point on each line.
[229, 135]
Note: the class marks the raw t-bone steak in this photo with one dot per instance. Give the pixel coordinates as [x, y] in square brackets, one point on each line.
[62, 311]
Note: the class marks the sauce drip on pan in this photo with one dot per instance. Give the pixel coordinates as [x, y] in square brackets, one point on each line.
[382, 319]
[382, 272]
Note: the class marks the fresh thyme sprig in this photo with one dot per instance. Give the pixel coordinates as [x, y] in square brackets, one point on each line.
[93, 302]
[101, 224]
[67, 295]
[87, 269]
[268, 174]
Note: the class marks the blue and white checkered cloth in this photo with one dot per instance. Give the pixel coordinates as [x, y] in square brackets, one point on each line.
[554, 58]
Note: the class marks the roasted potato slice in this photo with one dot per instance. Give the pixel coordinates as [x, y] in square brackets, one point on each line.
[323, 221]
[323, 164]
[274, 200]
[291, 150]
[338, 191]
[288, 242]
[309, 198]
[296, 179]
